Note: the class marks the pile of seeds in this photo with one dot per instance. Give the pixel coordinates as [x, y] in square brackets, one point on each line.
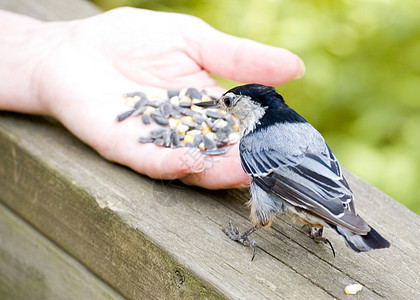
[183, 123]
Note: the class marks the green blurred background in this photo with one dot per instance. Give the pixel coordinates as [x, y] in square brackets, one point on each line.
[362, 82]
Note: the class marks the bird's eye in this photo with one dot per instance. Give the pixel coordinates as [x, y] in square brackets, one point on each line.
[228, 100]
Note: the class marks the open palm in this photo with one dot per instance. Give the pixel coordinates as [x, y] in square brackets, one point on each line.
[94, 61]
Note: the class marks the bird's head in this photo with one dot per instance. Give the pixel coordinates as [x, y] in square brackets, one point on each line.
[248, 103]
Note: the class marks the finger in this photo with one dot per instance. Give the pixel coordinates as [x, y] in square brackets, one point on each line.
[221, 173]
[215, 91]
[91, 112]
[163, 163]
[212, 172]
[120, 144]
[241, 59]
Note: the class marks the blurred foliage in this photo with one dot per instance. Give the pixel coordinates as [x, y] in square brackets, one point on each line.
[362, 82]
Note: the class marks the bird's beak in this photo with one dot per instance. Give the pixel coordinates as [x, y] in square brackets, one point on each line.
[211, 103]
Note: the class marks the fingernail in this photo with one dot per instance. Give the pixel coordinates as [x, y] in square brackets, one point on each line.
[192, 170]
[301, 70]
[244, 184]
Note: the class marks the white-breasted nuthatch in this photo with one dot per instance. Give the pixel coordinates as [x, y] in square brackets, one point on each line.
[291, 170]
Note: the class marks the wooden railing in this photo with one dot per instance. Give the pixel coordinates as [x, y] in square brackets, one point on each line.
[74, 226]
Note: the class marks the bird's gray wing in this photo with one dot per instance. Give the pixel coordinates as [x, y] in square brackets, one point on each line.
[302, 171]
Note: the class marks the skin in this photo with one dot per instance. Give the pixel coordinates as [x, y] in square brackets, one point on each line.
[77, 72]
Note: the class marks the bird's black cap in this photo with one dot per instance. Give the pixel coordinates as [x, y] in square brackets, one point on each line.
[277, 110]
[265, 95]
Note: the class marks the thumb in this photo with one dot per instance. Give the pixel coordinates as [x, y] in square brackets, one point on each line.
[241, 59]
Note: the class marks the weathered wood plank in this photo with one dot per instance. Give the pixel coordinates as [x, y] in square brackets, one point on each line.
[114, 221]
[31, 267]
[97, 211]
[125, 228]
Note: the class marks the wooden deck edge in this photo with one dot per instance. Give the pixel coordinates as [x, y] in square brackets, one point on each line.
[144, 245]
[32, 267]
[54, 204]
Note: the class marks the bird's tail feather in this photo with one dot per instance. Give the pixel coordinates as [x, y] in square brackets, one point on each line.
[362, 243]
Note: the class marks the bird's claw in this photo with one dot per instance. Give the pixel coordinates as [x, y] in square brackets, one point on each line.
[316, 234]
[236, 235]
[253, 244]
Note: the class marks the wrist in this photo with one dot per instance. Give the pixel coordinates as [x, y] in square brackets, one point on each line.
[25, 45]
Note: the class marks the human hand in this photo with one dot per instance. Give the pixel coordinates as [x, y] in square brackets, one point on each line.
[94, 61]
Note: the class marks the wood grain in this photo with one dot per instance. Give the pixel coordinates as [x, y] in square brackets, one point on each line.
[152, 239]
[31, 267]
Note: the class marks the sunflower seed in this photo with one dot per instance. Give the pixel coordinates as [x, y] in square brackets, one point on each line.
[209, 143]
[159, 142]
[220, 123]
[212, 136]
[190, 124]
[182, 93]
[214, 151]
[146, 119]
[139, 111]
[175, 112]
[197, 140]
[167, 138]
[193, 93]
[231, 120]
[185, 104]
[186, 111]
[124, 115]
[198, 118]
[175, 140]
[209, 123]
[157, 133]
[145, 139]
[221, 136]
[228, 129]
[142, 102]
[172, 93]
[155, 103]
[214, 114]
[205, 129]
[133, 94]
[166, 109]
[182, 128]
[161, 120]
[199, 127]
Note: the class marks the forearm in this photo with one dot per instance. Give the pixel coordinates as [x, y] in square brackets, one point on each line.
[24, 44]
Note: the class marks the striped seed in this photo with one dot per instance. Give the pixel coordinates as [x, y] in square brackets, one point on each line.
[124, 115]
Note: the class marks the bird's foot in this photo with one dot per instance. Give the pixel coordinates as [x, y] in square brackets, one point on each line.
[236, 235]
[317, 235]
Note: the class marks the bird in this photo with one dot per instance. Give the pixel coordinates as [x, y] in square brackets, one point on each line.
[292, 170]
